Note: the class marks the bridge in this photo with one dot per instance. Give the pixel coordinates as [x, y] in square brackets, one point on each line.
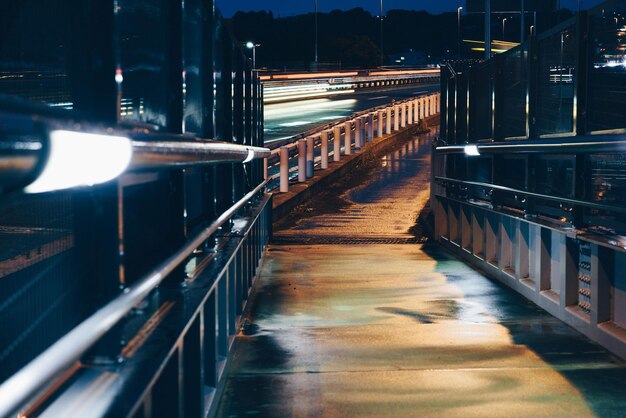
[167, 250]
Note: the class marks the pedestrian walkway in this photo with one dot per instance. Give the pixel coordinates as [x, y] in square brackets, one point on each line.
[357, 315]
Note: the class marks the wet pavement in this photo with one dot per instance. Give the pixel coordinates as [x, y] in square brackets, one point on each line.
[357, 314]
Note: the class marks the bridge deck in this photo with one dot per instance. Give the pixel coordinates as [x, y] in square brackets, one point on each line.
[392, 326]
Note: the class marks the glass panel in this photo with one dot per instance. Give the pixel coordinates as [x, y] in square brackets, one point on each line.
[34, 41]
[607, 77]
[555, 175]
[192, 57]
[514, 93]
[556, 83]
[481, 101]
[142, 50]
[608, 186]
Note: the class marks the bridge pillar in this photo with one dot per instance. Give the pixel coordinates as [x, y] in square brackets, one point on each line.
[409, 106]
[284, 169]
[310, 156]
[358, 133]
[302, 160]
[403, 115]
[348, 138]
[370, 127]
[388, 129]
[325, 150]
[337, 143]
[380, 122]
[396, 117]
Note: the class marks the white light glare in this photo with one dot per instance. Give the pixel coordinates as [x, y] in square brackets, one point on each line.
[472, 150]
[250, 156]
[82, 159]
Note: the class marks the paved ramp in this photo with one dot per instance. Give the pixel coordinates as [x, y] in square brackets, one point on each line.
[357, 315]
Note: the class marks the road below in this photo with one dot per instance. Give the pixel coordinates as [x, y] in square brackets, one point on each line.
[284, 120]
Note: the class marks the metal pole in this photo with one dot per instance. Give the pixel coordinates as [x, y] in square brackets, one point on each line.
[523, 22]
[254, 57]
[382, 55]
[458, 32]
[316, 34]
[503, 26]
[487, 29]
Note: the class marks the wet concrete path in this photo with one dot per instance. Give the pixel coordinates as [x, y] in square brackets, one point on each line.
[355, 316]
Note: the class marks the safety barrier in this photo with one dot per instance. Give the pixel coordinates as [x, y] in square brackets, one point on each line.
[344, 137]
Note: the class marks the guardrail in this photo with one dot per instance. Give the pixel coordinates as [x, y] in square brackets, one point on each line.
[343, 137]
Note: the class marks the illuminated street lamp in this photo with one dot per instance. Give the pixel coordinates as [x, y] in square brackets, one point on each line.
[458, 46]
[252, 46]
[503, 27]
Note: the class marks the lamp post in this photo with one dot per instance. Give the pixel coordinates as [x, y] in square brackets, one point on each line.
[503, 27]
[315, 5]
[382, 55]
[458, 32]
[252, 46]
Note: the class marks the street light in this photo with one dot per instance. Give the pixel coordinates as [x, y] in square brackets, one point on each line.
[458, 44]
[315, 1]
[382, 56]
[503, 26]
[252, 46]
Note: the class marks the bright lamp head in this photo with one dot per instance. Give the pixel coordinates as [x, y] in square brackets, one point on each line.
[81, 159]
[249, 45]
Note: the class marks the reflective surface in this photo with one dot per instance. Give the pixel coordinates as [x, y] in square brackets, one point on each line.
[394, 330]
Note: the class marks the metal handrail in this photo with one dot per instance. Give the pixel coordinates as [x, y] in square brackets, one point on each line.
[595, 143]
[573, 202]
[16, 391]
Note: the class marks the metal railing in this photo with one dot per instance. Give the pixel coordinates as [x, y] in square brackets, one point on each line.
[109, 274]
[299, 155]
[544, 120]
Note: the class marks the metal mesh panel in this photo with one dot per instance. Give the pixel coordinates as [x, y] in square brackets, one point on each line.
[607, 77]
[43, 288]
[556, 83]
[34, 38]
[515, 86]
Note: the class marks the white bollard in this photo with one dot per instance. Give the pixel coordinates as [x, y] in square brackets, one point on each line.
[370, 127]
[409, 111]
[388, 127]
[284, 169]
[358, 133]
[380, 125]
[416, 113]
[310, 156]
[337, 143]
[324, 163]
[302, 160]
[348, 138]
[403, 115]
[396, 118]
[426, 107]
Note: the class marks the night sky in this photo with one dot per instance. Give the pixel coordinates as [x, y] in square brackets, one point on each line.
[294, 7]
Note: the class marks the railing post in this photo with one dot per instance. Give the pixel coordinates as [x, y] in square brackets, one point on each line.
[324, 150]
[403, 115]
[310, 156]
[264, 168]
[348, 138]
[302, 160]
[337, 143]
[388, 128]
[284, 169]
[380, 122]
[358, 133]
[396, 118]
[416, 113]
[409, 106]
[370, 127]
